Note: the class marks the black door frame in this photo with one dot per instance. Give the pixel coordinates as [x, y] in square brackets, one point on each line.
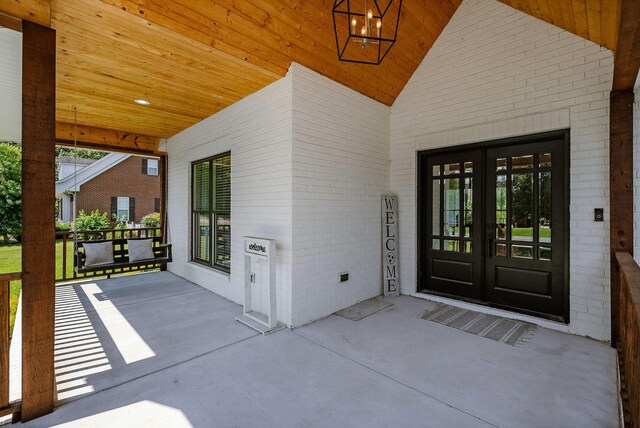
[422, 209]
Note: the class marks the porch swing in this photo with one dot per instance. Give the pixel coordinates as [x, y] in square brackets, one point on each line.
[132, 250]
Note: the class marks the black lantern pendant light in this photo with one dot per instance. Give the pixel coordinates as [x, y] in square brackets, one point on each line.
[365, 29]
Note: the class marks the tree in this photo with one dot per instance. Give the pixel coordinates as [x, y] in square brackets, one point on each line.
[10, 191]
[522, 204]
[81, 153]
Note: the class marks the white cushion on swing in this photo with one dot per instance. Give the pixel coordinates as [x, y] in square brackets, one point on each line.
[98, 253]
[140, 249]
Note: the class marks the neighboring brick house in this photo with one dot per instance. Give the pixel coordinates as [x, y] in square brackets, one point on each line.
[126, 187]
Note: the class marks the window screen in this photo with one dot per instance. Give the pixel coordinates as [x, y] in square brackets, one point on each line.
[211, 211]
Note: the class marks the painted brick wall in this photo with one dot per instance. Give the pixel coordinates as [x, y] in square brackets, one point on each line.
[309, 161]
[340, 170]
[257, 131]
[496, 72]
[124, 179]
[10, 85]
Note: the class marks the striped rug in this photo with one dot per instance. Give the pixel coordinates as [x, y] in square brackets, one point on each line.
[504, 330]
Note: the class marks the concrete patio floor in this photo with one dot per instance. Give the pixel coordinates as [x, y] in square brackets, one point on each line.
[157, 350]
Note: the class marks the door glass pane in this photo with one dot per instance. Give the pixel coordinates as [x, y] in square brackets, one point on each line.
[545, 160]
[468, 167]
[468, 207]
[522, 162]
[451, 168]
[436, 170]
[545, 253]
[544, 207]
[451, 210]
[451, 245]
[522, 251]
[501, 250]
[522, 207]
[501, 164]
[435, 211]
[435, 244]
[501, 206]
[467, 247]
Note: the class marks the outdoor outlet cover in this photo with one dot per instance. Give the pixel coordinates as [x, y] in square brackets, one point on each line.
[344, 277]
[598, 214]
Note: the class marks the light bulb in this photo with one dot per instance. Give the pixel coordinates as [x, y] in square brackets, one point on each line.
[353, 22]
[363, 31]
[379, 24]
[370, 14]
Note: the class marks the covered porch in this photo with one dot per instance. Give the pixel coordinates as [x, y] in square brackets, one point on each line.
[262, 132]
[158, 350]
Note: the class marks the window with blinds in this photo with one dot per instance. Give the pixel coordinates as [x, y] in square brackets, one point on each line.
[211, 211]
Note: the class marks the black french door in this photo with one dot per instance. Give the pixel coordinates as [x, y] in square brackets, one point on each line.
[493, 223]
[454, 223]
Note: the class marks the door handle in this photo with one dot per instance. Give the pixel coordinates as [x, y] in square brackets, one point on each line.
[490, 242]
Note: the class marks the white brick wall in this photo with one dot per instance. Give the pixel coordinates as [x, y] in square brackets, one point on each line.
[309, 161]
[257, 131]
[340, 170]
[496, 72]
[10, 85]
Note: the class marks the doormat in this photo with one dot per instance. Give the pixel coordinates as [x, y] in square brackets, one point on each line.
[364, 309]
[511, 332]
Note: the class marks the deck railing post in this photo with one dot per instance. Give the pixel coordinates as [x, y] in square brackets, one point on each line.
[4, 343]
[5, 302]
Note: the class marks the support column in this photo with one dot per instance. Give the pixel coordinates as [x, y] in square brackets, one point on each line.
[38, 196]
[163, 202]
[620, 191]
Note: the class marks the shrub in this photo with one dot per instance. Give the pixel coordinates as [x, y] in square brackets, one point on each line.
[120, 224]
[63, 227]
[97, 220]
[151, 220]
[10, 192]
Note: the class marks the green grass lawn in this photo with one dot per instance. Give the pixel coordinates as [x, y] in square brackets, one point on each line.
[528, 231]
[11, 261]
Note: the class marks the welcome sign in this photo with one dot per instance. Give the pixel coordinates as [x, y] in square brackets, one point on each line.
[390, 283]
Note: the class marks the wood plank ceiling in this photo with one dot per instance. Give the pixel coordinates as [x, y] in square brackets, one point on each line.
[192, 58]
[595, 20]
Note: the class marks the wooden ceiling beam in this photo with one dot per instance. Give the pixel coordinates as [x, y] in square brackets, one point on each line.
[113, 119]
[627, 58]
[38, 11]
[10, 22]
[105, 138]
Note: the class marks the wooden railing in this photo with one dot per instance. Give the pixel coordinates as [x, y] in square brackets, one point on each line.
[65, 268]
[628, 334]
[5, 298]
